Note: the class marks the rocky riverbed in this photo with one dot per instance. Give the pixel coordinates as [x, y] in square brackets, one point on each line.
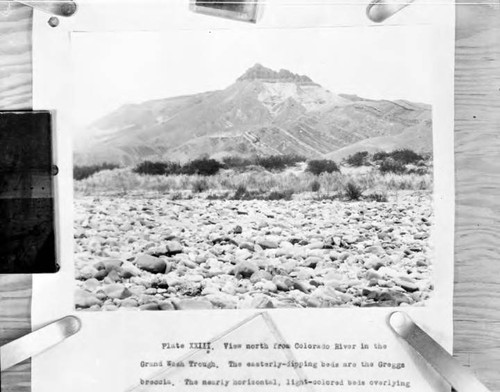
[150, 253]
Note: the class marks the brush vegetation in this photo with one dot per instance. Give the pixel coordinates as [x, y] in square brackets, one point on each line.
[362, 177]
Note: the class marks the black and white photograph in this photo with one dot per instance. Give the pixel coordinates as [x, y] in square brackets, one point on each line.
[253, 169]
[248, 204]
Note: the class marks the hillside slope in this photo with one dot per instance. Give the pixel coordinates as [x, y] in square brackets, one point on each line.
[263, 112]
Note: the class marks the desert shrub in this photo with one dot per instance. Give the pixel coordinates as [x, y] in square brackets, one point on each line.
[331, 197]
[418, 170]
[217, 196]
[279, 162]
[203, 166]
[407, 182]
[173, 168]
[358, 159]
[379, 197]
[423, 184]
[83, 172]
[234, 162]
[293, 159]
[151, 168]
[157, 168]
[315, 186]
[352, 191]
[406, 156]
[280, 195]
[176, 196]
[259, 184]
[273, 162]
[241, 193]
[322, 166]
[161, 186]
[200, 186]
[389, 165]
[380, 156]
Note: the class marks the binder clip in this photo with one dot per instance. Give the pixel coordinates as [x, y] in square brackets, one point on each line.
[63, 8]
[459, 378]
[240, 10]
[379, 10]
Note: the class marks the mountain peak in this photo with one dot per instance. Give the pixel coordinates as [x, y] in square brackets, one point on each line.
[259, 72]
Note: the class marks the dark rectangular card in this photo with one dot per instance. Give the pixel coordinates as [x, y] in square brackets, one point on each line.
[27, 224]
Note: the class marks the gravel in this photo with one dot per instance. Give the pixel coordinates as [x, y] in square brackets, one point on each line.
[148, 254]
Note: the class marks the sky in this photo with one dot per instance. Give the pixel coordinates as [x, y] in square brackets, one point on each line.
[111, 69]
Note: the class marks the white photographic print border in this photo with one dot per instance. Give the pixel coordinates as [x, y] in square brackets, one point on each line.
[52, 295]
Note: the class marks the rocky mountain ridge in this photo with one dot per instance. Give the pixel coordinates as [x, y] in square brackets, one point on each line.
[259, 72]
[264, 112]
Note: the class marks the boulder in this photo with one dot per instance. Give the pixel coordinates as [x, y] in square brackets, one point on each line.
[111, 264]
[268, 244]
[84, 299]
[91, 284]
[407, 284]
[373, 262]
[262, 302]
[316, 245]
[129, 270]
[302, 286]
[350, 239]
[193, 304]
[151, 264]
[260, 275]
[313, 302]
[245, 269]
[312, 261]
[283, 283]
[303, 273]
[376, 250]
[150, 306]
[195, 278]
[373, 275]
[117, 290]
[394, 296]
[113, 276]
[247, 245]
[242, 254]
[101, 274]
[173, 247]
[86, 272]
[288, 266]
[166, 305]
[269, 286]
[129, 303]
[222, 301]
[202, 258]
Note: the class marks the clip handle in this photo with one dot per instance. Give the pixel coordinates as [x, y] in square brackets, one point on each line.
[38, 341]
[459, 377]
[59, 8]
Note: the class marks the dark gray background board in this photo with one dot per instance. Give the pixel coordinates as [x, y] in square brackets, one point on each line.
[27, 239]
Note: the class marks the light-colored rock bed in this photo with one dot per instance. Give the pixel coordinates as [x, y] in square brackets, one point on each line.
[155, 254]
